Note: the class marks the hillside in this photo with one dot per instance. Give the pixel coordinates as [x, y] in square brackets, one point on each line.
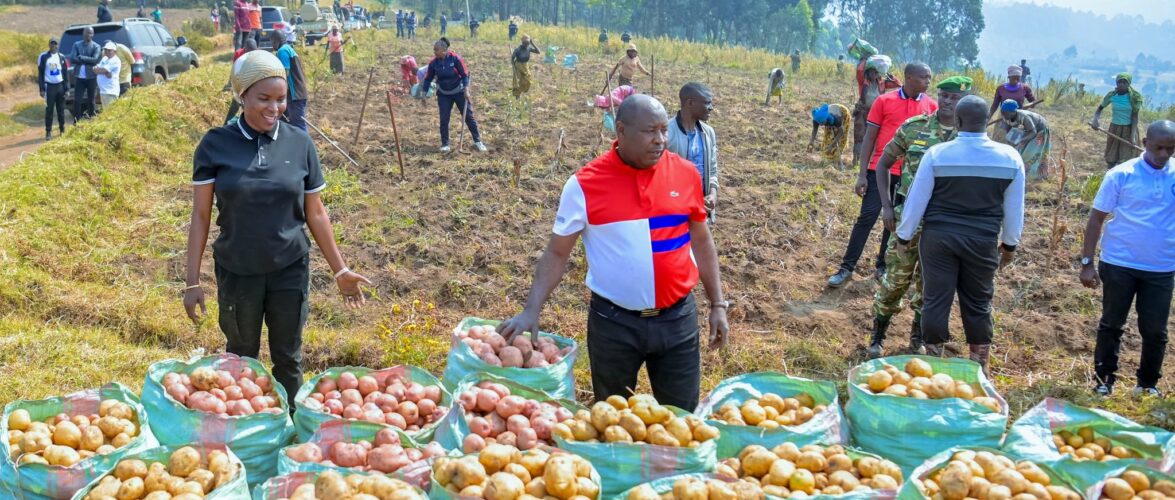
[91, 249]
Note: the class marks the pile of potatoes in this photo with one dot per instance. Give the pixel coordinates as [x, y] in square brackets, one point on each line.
[521, 352]
[770, 411]
[1084, 445]
[502, 472]
[988, 476]
[638, 419]
[494, 415]
[65, 440]
[919, 381]
[1134, 484]
[788, 470]
[380, 397]
[385, 455]
[186, 476]
[331, 485]
[695, 488]
[224, 393]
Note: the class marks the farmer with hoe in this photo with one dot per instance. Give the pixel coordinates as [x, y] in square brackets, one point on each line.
[452, 76]
[1137, 262]
[888, 113]
[968, 198]
[628, 66]
[909, 144]
[520, 61]
[833, 118]
[1015, 90]
[642, 306]
[1126, 103]
[690, 137]
[1028, 132]
[334, 45]
[262, 255]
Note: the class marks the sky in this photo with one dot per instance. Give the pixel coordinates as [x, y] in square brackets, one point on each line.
[1156, 10]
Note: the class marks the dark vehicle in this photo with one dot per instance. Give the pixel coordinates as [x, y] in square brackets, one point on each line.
[274, 19]
[157, 55]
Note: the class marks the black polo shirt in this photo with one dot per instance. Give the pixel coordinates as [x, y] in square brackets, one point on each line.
[261, 182]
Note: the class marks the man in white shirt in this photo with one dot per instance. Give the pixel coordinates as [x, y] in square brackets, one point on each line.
[1138, 257]
[108, 70]
[51, 77]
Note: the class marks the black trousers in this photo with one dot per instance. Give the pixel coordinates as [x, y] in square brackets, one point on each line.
[1120, 287]
[84, 93]
[963, 265]
[870, 211]
[620, 341]
[54, 103]
[279, 299]
[445, 104]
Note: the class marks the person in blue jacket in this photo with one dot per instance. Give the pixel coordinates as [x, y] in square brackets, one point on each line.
[452, 78]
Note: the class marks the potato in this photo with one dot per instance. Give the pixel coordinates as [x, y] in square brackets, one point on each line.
[690, 489]
[19, 420]
[1033, 473]
[585, 487]
[634, 426]
[158, 495]
[127, 469]
[802, 480]
[330, 484]
[758, 463]
[955, 481]
[559, 476]
[604, 415]
[205, 478]
[183, 461]
[67, 434]
[680, 431]
[503, 486]
[880, 380]
[468, 472]
[495, 456]
[131, 489]
[1137, 480]
[643, 492]
[1117, 489]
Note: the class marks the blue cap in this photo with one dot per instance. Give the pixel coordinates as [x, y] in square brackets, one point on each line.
[820, 114]
[1009, 106]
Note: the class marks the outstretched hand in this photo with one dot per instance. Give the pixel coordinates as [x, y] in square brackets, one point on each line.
[349, 286]
[525, 322]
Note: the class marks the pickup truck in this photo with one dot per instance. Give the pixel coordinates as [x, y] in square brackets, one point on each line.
[316, 22]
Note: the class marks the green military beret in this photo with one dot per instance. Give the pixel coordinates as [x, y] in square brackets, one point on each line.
[955, 84]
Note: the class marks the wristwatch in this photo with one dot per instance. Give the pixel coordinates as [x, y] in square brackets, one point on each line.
[725, 304]
[1007, 247]
[1085, 261]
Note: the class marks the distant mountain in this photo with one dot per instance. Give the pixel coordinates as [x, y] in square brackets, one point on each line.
[1060, 42]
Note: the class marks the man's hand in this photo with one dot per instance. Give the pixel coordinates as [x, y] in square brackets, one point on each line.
[1094, 124]
[888, 218]
[1005, 257]
[903, 249]
[1089, 276]
[862, 184]
[348, 285]
[711, 200]
[192, 298]
[524, 322]
[719, 328]
[811, 145]
[42, 93]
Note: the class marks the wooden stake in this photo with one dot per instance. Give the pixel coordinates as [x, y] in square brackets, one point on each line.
[1140, 150]
[559, 149]
[396, 134]
[363, 108]
[517, 171]
[652, 75]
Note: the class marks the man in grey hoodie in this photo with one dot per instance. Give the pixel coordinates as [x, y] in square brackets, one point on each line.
[691, 138]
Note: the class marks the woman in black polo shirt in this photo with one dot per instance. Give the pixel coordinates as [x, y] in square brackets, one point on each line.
[266, 180]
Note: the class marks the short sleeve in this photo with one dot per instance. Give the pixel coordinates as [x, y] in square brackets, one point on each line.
[898, 146]
[284, 56]
[572, 215]
[1107, 195]
[203, 167]
[314, 181]
[876, 113]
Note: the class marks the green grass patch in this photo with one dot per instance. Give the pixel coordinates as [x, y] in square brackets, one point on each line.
[20, 48]
[8, 126]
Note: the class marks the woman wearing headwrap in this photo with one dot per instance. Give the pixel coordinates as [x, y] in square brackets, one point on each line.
[452, 77]
[775, 83]
[1126, 103]
[520, 60]
[266, 180]
[1014, 90]
[1028, 132]
[832, 117]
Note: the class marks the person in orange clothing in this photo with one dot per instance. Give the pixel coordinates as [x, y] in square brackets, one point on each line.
[334, 46]
[255, 21]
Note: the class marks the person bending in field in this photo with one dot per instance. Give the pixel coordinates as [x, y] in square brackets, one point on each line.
[1028, 132]
[776, 80]
[833, 118]
[1137, 263]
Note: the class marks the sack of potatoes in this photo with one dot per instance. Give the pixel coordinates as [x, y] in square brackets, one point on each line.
[789, 470]
[503, 472]
[615, 435]
[695, 487]
[186, 473]
[542, 361]
[405, 397]
[336, 485]
[493, 409]
[1126, 483]
[362, 447]
[769, 408]
[985, 474]
[56, 445]
[909, 408]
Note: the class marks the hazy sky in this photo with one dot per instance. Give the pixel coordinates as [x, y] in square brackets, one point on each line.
[1155, 10]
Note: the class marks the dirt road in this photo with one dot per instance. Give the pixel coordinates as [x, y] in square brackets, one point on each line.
[52, 20]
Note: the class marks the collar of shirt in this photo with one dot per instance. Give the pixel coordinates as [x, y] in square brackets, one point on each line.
[902, 94]
[972, 135]
[1150, 168]
[250, 134]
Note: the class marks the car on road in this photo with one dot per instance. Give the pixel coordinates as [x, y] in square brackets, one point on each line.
[274, 19]
[158, 56]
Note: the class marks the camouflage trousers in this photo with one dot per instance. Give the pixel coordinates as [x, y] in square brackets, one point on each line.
[900, 273]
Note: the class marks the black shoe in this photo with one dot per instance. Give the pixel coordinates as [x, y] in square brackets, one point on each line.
[48, 135]
[917, 345]
[840, 278]
[880, 325]
[1103, 390]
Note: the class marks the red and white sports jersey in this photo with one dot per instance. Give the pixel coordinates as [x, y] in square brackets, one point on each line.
[635, 226]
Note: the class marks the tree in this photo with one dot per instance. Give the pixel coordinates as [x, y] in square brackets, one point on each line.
[940, 33]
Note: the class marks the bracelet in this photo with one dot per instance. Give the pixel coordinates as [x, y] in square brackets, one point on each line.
[190, 287]
[342, 271]
[720, 305]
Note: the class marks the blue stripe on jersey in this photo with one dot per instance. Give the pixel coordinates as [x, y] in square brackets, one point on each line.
[664, 221]
[670, 244]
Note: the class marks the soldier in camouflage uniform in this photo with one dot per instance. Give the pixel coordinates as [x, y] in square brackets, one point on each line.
[911, 141]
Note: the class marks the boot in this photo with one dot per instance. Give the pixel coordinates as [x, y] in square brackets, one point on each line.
[880, 325]
[980, 354]
[917, 345]
[936, 350]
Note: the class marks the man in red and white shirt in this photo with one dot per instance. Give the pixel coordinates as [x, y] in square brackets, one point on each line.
[642, 216]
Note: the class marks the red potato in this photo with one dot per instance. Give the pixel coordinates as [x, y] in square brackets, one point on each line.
[247, 373]
[527, 439]
[373, 414]
[334, 406]
[511, 405]
[348, 454]
[225, 379]
[353, 411]
[351, 397]
[487, 401]
[536, 362]
[172, 378]
[396, 389]
[473, 443]
[400, 402]
[409, 410]
[414, 454]
[497, 423]
[249, 389]
[426, 407]
[234, 392]
[326, 386]
[480, 426]
[367, 385]
[468, 399]
[511, 357]
[216, 391]
[387, 459]
[265, 383]
[317, 397]
[502, 390]
[387, 437]
[305, 453]
[366, 445]
[177, 391]
[314, 404]
[523, 344]
[348, 380]
[516, 423]
[507, 438]
[432, 392]
[396, 420]
[496, 341]
[491, 359]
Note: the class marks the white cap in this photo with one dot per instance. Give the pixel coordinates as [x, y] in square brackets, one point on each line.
[110, 45]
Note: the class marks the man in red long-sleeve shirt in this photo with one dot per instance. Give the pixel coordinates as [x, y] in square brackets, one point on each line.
[242, 29]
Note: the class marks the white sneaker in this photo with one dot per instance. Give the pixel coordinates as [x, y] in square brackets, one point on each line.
[480, 146]
[446, 148]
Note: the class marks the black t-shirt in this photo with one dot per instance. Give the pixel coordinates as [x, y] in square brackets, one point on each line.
[261, 182]
[522, 53]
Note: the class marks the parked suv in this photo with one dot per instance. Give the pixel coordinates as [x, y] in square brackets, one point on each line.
[158, 55]
[273, 19]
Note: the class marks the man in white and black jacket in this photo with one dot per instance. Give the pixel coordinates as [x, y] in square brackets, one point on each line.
[968, 195]
[53, 80]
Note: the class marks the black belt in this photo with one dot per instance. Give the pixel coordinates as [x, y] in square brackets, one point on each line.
[643, 313]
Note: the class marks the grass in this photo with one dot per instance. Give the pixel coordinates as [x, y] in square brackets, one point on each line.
[92, 242]
[8, 126]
